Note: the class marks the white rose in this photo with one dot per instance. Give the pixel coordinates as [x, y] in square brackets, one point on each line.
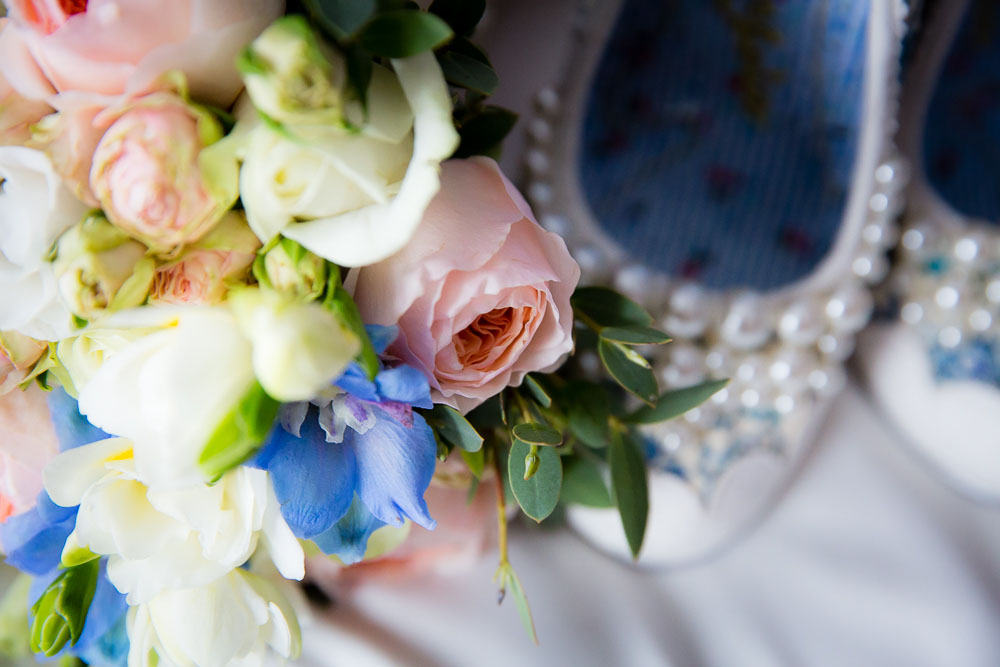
[35, 208]
[354, 196]
[167, 539]
[238, 620]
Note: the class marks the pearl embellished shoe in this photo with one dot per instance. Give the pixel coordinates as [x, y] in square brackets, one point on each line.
[730, 166]
[936, 370]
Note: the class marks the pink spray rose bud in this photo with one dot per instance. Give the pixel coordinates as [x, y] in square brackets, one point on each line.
[149, 179]
[27, 442]
[205, 272]
[481, 293]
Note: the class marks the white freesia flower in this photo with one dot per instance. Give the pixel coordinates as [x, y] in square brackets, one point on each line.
[169, 390]
[355, 196]
[167, 539]
[237, 620]
[35, 208]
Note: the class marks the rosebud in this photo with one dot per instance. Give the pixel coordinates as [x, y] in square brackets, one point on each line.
[292, 77]
[153, 177]
[98, 267]
[291, 269]
[18, 353]
[204, 272]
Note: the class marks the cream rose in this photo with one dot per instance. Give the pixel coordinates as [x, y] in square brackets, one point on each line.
[481, 294]
[353, 197]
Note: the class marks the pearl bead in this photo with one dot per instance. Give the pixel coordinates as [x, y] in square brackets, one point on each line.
[913, 239]
[784, 404]
[686, 366]
[537, 162]
[750, 369]
[548, 99]
[633, 281]
[590, 364]
[790, 368]
[980, 320]
[540, 193]
[993, 291]
[557, 224]
[746, 326]
[540, 130]
[950, 337]
[885, 173]
[750, 398]
[966, 249]
[849, 308]
[879, 202]
[827, 381]
[946, 297]
[802, 323]
[836, 347]
[593, 264]
[717, 359]
[873, 233]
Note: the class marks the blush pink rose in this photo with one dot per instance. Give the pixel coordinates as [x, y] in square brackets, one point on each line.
[17, 114]
[203, 273]
[147, 178]
[110, 47]
[27, 442]
[481, 294]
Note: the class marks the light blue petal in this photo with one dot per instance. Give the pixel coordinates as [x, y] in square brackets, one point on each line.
[348, 539]
[313, 480]
[72, 428]
[395, 466]
[404, 384]
[34, 543]
[356, 383]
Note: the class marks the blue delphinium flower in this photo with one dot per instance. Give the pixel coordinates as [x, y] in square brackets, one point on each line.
[356, 460]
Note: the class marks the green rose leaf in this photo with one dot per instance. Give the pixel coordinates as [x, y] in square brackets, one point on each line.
[629, 370]
[341, 18]
[537, 434]
[240, 433]
[403, 33]
[635, 335]
[454, 428]
[583, 484]
[539, 495]
[483, 130]
[61, 611]
[630, 489]
[675, 403]
[607, 308]
[462, 15]
[466, 72]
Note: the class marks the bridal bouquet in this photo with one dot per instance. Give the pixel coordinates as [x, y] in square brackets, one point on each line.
[259, 277]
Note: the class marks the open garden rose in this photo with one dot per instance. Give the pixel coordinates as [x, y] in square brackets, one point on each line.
[480, 294]
[110, 47]
[148, 173]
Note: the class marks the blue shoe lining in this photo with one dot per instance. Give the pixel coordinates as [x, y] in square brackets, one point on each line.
[962, 133]
[709, 168]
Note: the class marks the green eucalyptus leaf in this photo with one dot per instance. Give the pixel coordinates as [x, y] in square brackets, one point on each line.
[589, 411]
[514, 588]
[635, 335]
[537, 434]
[462, 15]
[475, 460]
[341, 18]
[61, 611]
[454, 428]
[630, 489]
[539, 495]
[538, 391]
[240, 433]
[635, 378]
[403, 33]
[470, 73]
[483, 130]
[583, 484]
[676, 402]
[608, 308]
